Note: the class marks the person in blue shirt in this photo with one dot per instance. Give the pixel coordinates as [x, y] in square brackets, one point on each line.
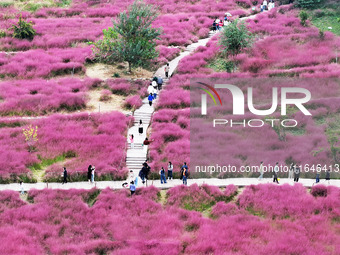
[162, 174]
[159, 82]
[150, 98]
[184, 173]
[132, 187]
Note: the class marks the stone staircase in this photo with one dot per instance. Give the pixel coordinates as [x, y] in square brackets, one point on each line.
[136, 156]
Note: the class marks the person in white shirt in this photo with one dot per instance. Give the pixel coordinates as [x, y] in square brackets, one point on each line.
[261, 171]
[150, 89]
[170, 169]
[265, 5]
[291, 171]
[22, 191]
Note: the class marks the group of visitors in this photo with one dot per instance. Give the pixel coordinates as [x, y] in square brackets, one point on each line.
[293, 173]
[154, 87]
[218, 24]
[265, 6]
[184, 173]
[162, 173]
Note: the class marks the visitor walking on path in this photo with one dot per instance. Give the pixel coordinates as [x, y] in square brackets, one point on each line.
[162, 174]
[22, 191]
[159, 82]
[170, 169]
[65, 175]
[297, 172]
[276, 171]
[146, 144]
[89, 171]
[214, 27]
[131, 176]
[150, 88]
[132, 142]
[167, 70]
[291, 171]
[155, 87]
[328, 176]
[150, 98]
[265, 5]
[132, 187]
[184, 173]
[261, 171]
[92, 173]
[318, 172]
[155, 92]
[140, 127]
[144, 172]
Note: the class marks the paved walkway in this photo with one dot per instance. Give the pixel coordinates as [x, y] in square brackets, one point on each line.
[241, 182]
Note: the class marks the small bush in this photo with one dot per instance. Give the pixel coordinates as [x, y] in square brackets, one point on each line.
[105, 95]
[2, 33]
[23, 30]
[303, 18]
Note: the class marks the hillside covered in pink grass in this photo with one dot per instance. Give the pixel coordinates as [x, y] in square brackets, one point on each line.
[283, 53]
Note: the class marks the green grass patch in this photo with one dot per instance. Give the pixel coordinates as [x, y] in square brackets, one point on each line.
[325, 18]
[200, 207]
[45, 162]
[221, 65]
[38, 169]
[92, 197]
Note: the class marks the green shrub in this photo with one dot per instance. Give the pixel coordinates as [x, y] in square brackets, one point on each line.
[2, 33]
[303, 18]
[23, 30]
[321, 34]
[5, 4]
[308, 3]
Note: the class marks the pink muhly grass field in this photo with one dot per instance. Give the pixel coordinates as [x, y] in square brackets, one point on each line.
[265, 219]
[81, 139]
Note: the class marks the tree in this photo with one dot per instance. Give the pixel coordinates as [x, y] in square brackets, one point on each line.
[132, 38]
[23, 30]
[235, 37]
[31, 136]
[105, 50]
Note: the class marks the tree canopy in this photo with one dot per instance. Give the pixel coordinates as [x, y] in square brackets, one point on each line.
[132, 37]
[234, 38]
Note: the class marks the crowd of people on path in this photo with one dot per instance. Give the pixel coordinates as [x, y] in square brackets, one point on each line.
[165, 176]
[294, 173]
[218, 23]
[154, 88]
